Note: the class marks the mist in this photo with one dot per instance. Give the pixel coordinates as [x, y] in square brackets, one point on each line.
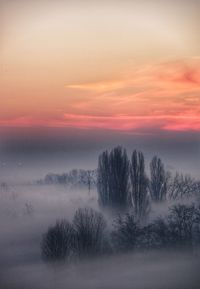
[99, 144]
[26, 211]
[151, 270]
[28, 153]
[28, 208]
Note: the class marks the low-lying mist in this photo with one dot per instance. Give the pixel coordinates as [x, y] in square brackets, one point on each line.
[26, 211]
[131, 251]
[140, 271]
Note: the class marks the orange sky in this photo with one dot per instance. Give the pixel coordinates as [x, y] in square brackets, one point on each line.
[121, 65]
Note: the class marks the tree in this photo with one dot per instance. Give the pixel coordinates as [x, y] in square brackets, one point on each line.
[113, 179]
[158, 180]
[89, 227]
[139, 186]
[196, 231]
[119, 178]
[182, 186]
[103, 174]
[58, 243]
[161, 229]
[181, 221]
[154, 235]
[87, 178]
[126, 232]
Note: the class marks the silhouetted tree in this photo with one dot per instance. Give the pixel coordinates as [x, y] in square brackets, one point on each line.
[196, 232]
[74, 178]
[89, 227]
[154, 235]
[119, 177]
[161, 229]
[197, 214]
[182, 186]
[129, 234]
[113, 179]
[181, 221]
[103, 175]
[158, 180]
[28, 210]
[125, 233]
[58, 243]
[139, 186]
[88, 176]
[4, 187]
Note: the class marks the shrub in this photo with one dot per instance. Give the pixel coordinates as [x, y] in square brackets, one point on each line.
[89, 227]
[58, 242]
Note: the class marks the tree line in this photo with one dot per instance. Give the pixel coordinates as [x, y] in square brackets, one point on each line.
[124, 187]
[73, 178]
[88, 235]
[84, 237]
[123, 184]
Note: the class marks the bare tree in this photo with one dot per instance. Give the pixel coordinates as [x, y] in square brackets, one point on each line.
[139, 186]
[125, 233]
[196, 233]
[158, 180]
[28, 210]
[88, 178]
[74, 178]
[129, 235]
[113, 179]
[161, 229]
[88, 174]
[181, 222]
[58, 243]
[182, 186]
[119, 178]
[154, 235]
[103, 174]
[90, 227]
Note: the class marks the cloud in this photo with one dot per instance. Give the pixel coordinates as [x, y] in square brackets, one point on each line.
[189, 124]
[180, 122]
[98, 86]
[180, 72]
[162, 96]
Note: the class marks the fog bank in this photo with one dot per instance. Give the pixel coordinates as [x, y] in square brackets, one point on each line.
[136, 271]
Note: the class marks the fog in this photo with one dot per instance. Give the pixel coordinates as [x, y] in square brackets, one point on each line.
[28, 153]
[28, 209]
[152, 271]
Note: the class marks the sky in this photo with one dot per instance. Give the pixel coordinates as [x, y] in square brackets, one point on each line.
[78, 77]
[127, 66]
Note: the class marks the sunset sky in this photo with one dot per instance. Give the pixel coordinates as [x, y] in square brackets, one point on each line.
[117, 65]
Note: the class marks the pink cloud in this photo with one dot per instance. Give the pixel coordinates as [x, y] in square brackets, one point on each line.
[161, 96]
[180, 72]
[124, 123]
